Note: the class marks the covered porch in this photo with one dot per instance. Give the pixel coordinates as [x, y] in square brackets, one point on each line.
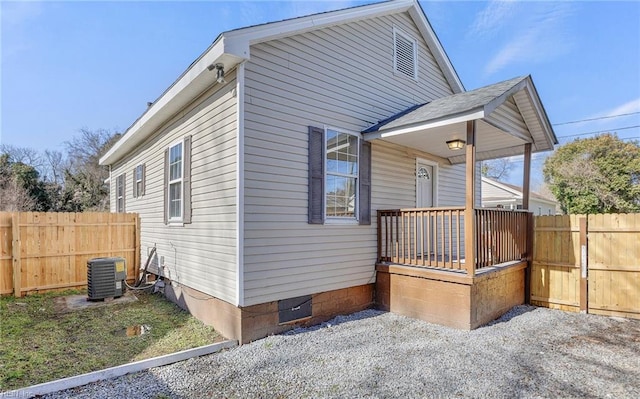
[461, 266]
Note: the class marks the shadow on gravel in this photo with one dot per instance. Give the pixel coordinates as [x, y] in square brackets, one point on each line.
[361, 315]
[512, 313]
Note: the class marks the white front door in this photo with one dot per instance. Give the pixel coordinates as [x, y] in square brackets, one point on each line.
[424, 185]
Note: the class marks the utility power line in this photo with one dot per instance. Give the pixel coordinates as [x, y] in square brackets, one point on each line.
[596, 119]
[599, 131]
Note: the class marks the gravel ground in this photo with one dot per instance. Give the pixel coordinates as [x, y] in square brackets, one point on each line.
[529, 352]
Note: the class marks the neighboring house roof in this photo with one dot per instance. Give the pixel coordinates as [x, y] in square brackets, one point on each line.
[233, 47]
[478, 104]
[515, 191]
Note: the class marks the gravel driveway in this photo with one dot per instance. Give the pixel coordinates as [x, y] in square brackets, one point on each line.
[529, 352]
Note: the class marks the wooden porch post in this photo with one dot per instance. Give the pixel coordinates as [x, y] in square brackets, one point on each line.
[526, 192]
[526, 176]
[469, 209]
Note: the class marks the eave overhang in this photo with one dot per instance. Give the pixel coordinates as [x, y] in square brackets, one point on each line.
[508, 115]
[233, 47]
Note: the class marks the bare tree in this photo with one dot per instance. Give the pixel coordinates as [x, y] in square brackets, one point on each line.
[84, 177]
[25, 155]
[86, 149]
[54, 164]
[498, 169]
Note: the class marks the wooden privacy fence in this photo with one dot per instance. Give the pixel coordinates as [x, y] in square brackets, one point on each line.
[587, 263]
[49, 251]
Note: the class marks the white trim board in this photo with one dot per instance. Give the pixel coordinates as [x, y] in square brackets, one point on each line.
[240, 97]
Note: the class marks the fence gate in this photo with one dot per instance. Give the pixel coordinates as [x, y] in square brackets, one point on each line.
[587, 263]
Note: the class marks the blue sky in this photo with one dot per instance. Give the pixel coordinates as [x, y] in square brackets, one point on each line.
[71, 65]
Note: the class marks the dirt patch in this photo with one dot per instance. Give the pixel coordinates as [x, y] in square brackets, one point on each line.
[69, 303]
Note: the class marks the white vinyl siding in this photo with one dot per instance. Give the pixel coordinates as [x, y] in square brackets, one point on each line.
[202, 254]
[394, 179]
[327, 77]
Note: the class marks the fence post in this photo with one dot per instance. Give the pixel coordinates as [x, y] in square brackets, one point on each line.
[584, 265]
[530, 231]
[137, 252]
[15, 254]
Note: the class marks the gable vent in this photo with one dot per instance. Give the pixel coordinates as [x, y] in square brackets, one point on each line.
[404, 60]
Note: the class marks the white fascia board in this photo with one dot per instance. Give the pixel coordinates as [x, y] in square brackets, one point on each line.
[471, 115]
[438, 51]
[172, 100]
[277, 30]
[498, 101]
[498, 201]
[541, 112]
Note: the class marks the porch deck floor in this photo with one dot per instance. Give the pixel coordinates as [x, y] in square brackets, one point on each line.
[445, 263]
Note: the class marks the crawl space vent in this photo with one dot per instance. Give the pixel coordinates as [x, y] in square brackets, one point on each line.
[294, 309]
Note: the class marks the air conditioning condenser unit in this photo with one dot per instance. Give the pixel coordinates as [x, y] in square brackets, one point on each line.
[106, 278]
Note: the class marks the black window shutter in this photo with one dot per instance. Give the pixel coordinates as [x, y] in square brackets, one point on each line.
[365, 183]
[316, 175]
[144, 177]
[135, 186]
[186, 181]
[124, 192]
[165, 191]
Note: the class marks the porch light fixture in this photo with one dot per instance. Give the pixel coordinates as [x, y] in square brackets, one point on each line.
[456, 144]
[219, 68]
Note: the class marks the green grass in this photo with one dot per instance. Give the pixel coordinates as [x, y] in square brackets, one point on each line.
[39, 343]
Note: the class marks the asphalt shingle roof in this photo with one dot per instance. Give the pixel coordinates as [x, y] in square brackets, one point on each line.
[447, 106]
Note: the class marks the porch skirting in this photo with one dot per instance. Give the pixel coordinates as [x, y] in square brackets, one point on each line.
[246, 324]
[450, 298]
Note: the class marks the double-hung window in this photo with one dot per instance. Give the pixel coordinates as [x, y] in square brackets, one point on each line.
[120, 193]
[341, 174]
[177, 182]
[339, 177]
[138, 181]
[138, 177]
[176, 167]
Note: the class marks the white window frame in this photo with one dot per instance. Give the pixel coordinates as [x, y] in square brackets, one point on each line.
[411, 39]
[120, 185]
[139, 182]
[340, 219]
[170, 182]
